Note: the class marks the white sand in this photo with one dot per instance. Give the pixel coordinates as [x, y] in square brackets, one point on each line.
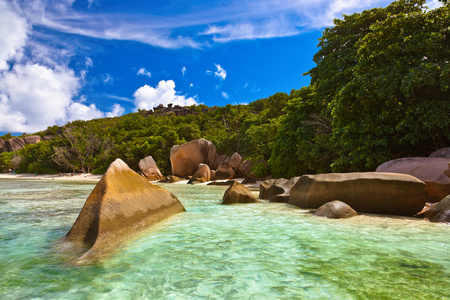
[75, 177]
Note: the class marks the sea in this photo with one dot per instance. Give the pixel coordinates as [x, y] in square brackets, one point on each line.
[214, 251]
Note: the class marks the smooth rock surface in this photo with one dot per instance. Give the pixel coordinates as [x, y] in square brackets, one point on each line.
[424, 168]
[238, 193]
[245, 167]
[280, 191]
[218, 161]
[187, 157]
[13, 144]
[335, 210]
[224, 171]
[439, 212]
[444, 152]
[437, 191]
[121, 204]
[32, 139]
[202, 175]
[264, 188]
[234, 160]
[149, 168]
[372, 192]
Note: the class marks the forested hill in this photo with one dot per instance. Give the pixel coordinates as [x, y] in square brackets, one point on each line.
[379, 91]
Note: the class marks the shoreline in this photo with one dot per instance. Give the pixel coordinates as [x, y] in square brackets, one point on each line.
[30, 176]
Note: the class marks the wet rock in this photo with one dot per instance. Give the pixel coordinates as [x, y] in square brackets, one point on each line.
[238, 193]
[149, 168]
[424, 168]
[121, 204]
[439, 212]
[335, 210]
[379, 193]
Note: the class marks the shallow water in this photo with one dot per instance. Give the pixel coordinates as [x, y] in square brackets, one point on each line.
[249, 251]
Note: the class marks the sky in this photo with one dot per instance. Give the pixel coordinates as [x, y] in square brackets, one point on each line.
[65, 60]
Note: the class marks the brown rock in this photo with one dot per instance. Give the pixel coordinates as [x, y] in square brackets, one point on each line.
[32, 139]
[280, 191]
[224, 171]
[150, 169]
[264, 188]
[437, 191]
[13, 144]
[380, 193]
[222, 183]
[245, 167]
[439, 212]
[424, 168]
[202, 175]
[444, 152]
[186, 158]
[234, 160]
[48, 137]
[173, 179]
[2, 142]
[249, 180]
[121, 204]
[218, 161]
[335, 210]
[238, 193]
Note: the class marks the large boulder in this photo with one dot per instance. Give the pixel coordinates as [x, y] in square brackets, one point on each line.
[424, 168]
[2, 142]
[280, 191]
[335, 210]
[202, 175]
[444, 152]
[32, 139]
[234, 160]
[186, 158]
[238, 193]
[218, 161]
[244, 168]
[437, 191]
[264, 188]
[13, 144]
[150, 169]
[379, 193]
[439, 212]
[224, 171]
[121, 204]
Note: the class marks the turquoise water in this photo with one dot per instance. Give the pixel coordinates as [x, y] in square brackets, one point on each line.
[249, 251]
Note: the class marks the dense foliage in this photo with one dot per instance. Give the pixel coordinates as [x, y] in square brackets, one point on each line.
[380, 90]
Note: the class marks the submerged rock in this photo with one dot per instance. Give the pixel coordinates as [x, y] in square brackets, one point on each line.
[150, 169]
[379, 193]
[187, 157]
[424, 168]
[439, 212]
[238, 193]
[121, 204]
[335, 210]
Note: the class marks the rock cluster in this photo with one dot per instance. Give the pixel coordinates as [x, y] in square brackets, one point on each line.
[187, 158]
[18, 143]
[122, 203]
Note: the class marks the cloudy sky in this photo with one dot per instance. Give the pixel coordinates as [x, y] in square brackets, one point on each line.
[63, 60]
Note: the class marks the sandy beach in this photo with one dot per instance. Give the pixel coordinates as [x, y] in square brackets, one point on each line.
[30, 176]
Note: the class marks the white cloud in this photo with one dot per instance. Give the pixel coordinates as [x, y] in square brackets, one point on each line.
[183, 71]
[13, 34]
[221, 73]
[147, 97]
[107, 79]
[89, 62]
[144, 72]
[191, 85]
[116, 111]
[434, 4]
[79, 111]
[225, 95]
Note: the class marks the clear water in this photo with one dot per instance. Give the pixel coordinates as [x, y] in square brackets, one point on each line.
[249, 251]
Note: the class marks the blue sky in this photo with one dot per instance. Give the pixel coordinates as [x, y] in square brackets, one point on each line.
[63, 60]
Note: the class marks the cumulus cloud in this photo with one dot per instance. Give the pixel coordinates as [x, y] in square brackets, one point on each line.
[147, 97]
[221, 73]
[144, 72]
[13, 34]
[225, 95]
[116, 111]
